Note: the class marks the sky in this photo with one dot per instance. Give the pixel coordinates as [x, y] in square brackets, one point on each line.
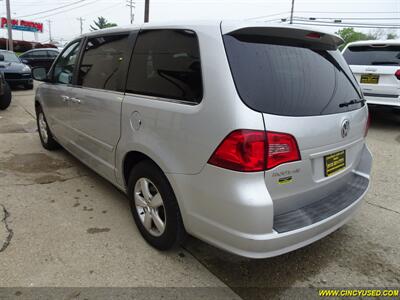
[65, 24]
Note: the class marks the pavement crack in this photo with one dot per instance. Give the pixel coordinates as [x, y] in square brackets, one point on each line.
[28, 112]
[44, 183]
[8, 229]
[382, 207]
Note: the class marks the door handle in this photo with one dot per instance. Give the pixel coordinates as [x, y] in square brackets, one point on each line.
[65, 98]
[75, 100]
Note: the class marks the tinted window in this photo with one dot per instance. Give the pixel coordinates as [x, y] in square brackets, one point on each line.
[52, 54]
[102, 60]
[38, 54]
[166, 63]
[377, 55]
[290, 80]
[65, 65]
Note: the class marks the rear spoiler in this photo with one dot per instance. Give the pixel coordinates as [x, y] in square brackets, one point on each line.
[290, 35]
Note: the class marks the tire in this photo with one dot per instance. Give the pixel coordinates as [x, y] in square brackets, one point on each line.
[46, 137]
[28, 86]
[5, 99]
[159, 188]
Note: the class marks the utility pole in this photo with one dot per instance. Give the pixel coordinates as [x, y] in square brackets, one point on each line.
[9, 26]
[146, 10]
[49, 22]
[291, 13]
[131, 5]
[81, 23]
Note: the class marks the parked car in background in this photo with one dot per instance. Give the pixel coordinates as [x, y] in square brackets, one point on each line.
[376, 66]
[5, 93]
[15, 72]
[43, 57]
[246, 135]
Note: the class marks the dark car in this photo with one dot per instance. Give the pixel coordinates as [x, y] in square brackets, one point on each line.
[15, 72]
[40, 57]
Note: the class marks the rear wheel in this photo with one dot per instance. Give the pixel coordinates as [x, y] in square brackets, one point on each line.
[5, 99]
[154, 206]
[46, 137]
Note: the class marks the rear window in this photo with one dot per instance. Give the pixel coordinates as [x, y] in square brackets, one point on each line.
[290, 80]
[373, 55]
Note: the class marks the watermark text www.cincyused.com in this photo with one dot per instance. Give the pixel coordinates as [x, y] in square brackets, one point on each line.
[358, 293]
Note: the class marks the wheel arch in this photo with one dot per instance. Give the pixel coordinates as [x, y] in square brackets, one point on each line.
[131, 159]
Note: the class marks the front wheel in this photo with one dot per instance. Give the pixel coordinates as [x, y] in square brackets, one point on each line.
[46, 137]
[154, 206]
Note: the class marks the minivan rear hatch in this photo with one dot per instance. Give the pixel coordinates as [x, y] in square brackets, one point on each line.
[303, 87]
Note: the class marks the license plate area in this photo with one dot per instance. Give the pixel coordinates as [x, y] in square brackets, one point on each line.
[334, 163]
[369, 78]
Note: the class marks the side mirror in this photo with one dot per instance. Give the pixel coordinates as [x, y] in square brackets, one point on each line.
[25, 61]
[39, 74]
[1, 57]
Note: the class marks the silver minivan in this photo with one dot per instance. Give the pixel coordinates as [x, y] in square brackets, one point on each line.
[248, 136]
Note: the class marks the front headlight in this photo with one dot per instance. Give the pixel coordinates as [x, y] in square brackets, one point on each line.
[26, 69]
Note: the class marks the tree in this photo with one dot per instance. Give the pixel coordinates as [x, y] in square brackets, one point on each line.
[101, 23]
[349, 35]
[391, 36]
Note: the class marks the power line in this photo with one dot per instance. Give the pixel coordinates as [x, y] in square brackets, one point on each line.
[324, 18]
[66, 10]
[102, 9]
[267, 16]
[52, 9]
[346, 12]
[345, 23]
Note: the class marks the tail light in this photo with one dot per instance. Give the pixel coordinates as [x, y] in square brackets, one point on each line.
[397, 74]
[281, 148]
[241, 150]
[253, 151]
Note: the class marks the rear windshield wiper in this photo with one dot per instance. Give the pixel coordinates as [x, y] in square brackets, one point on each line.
[375, 63]
[352, 102]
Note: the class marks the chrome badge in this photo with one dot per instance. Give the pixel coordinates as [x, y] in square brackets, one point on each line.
[345, 128]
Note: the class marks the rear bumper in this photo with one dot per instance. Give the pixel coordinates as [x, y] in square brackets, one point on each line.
[379, 99]
[234, 211]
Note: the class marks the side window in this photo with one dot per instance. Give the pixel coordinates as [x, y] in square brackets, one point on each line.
[166, 63]
[52, 54]
[102, 61]
[38, 54]
[65, 65]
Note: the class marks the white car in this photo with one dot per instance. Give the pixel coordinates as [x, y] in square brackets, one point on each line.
[376, 66]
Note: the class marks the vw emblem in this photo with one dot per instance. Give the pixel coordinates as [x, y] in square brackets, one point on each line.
[345, 128]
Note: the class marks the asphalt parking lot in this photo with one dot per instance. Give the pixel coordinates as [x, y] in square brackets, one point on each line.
[61, 225]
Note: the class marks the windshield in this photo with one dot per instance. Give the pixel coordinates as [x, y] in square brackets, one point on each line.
[291, 80]
[10, 57]
[373, 55]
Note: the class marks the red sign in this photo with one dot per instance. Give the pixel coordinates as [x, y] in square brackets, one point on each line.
[23, 25]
